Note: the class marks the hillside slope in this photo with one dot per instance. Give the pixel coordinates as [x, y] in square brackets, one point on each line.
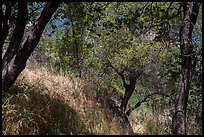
[43, 103]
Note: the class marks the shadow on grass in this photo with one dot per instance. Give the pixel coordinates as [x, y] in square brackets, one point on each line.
[37, 113]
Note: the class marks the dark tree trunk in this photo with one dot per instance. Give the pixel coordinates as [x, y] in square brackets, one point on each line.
[190, 10]
[17, 35]
[129, 89]
[16, 65]
[77, 54]
[5, 18]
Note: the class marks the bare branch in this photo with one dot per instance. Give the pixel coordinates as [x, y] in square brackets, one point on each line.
[143, 100]
[167, 11]
[120, 73]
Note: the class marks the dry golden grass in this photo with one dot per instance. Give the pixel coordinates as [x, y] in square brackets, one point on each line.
[194, 128]
[42, 102]
[148, 123]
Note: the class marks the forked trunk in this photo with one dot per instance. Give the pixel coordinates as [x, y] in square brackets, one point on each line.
[15, 60]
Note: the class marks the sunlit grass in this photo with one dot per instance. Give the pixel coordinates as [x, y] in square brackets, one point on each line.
[146, 122]
[46, 103]
[43, 102]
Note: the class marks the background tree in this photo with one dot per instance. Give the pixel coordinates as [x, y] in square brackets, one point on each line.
[126, 50]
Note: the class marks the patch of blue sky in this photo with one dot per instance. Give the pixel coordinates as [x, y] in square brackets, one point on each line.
[59, 21]
[36, 9]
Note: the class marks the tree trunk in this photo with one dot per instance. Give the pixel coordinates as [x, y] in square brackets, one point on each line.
[16, 65]
[77, 54]
[190, 10]
[17, 35]
[5, 18]
[129, 89]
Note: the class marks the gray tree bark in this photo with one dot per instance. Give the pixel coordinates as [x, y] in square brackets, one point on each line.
[188, 63]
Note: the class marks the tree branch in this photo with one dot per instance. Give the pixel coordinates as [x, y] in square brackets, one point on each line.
[120, 73]
[143, 100]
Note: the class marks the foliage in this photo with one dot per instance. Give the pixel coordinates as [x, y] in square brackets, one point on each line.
[82, 37]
